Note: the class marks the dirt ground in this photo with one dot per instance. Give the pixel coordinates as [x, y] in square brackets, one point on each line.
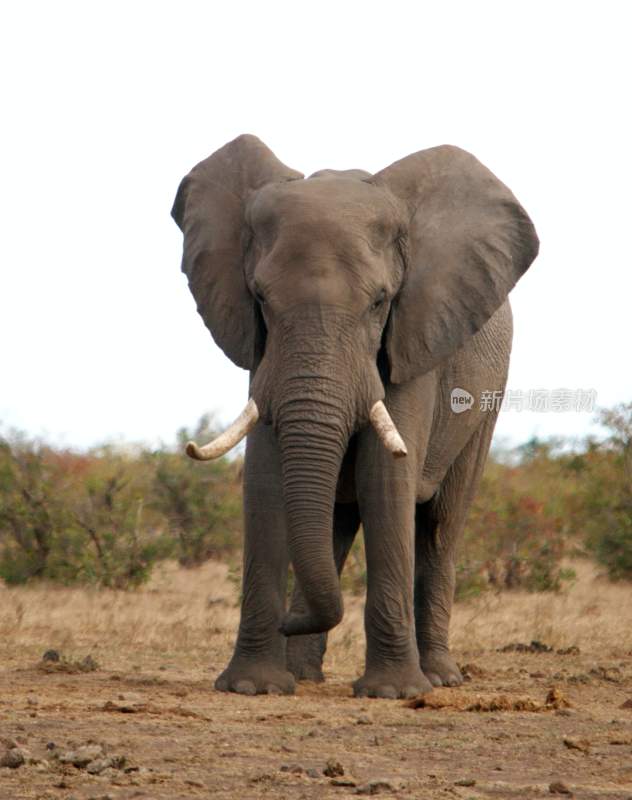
[143, 709]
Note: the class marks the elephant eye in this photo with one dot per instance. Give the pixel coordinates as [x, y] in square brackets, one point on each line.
[379, 300]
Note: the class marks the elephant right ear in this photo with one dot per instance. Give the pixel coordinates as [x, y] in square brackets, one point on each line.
[468, 242]
[209, 210]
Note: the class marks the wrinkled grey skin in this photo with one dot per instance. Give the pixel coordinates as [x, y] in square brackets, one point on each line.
[335, 292]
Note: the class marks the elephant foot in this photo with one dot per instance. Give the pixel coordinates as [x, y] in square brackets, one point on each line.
[440, 668]
[305, 657]
[307, 672]
[392, 682]
[255, 677]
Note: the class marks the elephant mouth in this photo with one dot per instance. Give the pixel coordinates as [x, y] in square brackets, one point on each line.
[245, 422]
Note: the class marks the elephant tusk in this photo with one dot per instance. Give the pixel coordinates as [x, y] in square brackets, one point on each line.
[386, 430]
[244, 423]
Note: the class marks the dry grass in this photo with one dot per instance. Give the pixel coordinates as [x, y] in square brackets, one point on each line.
[593, 614]
[160, 647]
[192, 616]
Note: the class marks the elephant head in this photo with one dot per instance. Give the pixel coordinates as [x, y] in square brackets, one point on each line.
[326, 289]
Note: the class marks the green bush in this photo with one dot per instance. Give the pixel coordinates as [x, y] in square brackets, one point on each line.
[517, 533]
[201, 502]
[607, 497]
[108, 515]
[34, 514]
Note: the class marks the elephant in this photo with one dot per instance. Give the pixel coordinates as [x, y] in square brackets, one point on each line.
[360, 303]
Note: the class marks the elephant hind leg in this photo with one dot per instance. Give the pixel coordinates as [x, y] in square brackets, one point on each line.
[305, 653]
[438, 526]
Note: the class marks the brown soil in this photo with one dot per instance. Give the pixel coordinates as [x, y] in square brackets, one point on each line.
[149, 699]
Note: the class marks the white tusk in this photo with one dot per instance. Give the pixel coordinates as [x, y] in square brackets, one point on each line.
[244, 423]
[386, 430]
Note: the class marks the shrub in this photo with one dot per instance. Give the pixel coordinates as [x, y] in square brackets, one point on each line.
[607, 496]
[200, 502]
[519, 527]
[106, 516]
[34, 516]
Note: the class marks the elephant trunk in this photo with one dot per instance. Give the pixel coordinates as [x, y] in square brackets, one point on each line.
[313, 437]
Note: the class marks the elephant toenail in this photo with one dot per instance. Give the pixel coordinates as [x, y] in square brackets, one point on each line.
[410, 691]
[387, 692]
[272, 688]
[245, 687]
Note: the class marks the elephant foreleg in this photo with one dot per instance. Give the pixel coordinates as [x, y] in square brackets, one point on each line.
[386, 494]
[305, 653]
[438, 526]
[258, 663]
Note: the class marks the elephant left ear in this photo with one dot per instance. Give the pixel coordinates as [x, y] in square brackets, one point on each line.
[468, 243]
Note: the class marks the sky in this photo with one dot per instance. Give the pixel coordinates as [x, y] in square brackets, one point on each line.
[106, 106]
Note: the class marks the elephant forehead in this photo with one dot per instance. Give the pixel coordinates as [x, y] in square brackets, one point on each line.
[324, 268]
[349, 202]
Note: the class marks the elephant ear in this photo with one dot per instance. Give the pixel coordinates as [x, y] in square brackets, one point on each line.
[209, 209]
[468, 243]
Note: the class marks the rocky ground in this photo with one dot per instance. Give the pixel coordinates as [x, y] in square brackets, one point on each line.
[135, 716]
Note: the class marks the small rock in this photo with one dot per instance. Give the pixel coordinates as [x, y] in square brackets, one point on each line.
[363, 719]
[50, 745]
[471, 670]
[557, 787]
[555, 698]
[519, 647]
[89, 664]
[9, 743]
[296, 769]
[13, 758]
[262, 777]
[98, 765]
[82, 756]
[32, 699]
[611, 674]
[126, 704]
[583, 745]
[345, 781]
[333, 769]
[465, 782]
[51, 655]
[312, 773]
[377, 787]
[627, 703]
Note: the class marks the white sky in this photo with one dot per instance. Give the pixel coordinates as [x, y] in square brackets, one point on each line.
[105, 106]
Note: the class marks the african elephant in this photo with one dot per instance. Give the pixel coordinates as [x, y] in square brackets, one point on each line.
[358, 302]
